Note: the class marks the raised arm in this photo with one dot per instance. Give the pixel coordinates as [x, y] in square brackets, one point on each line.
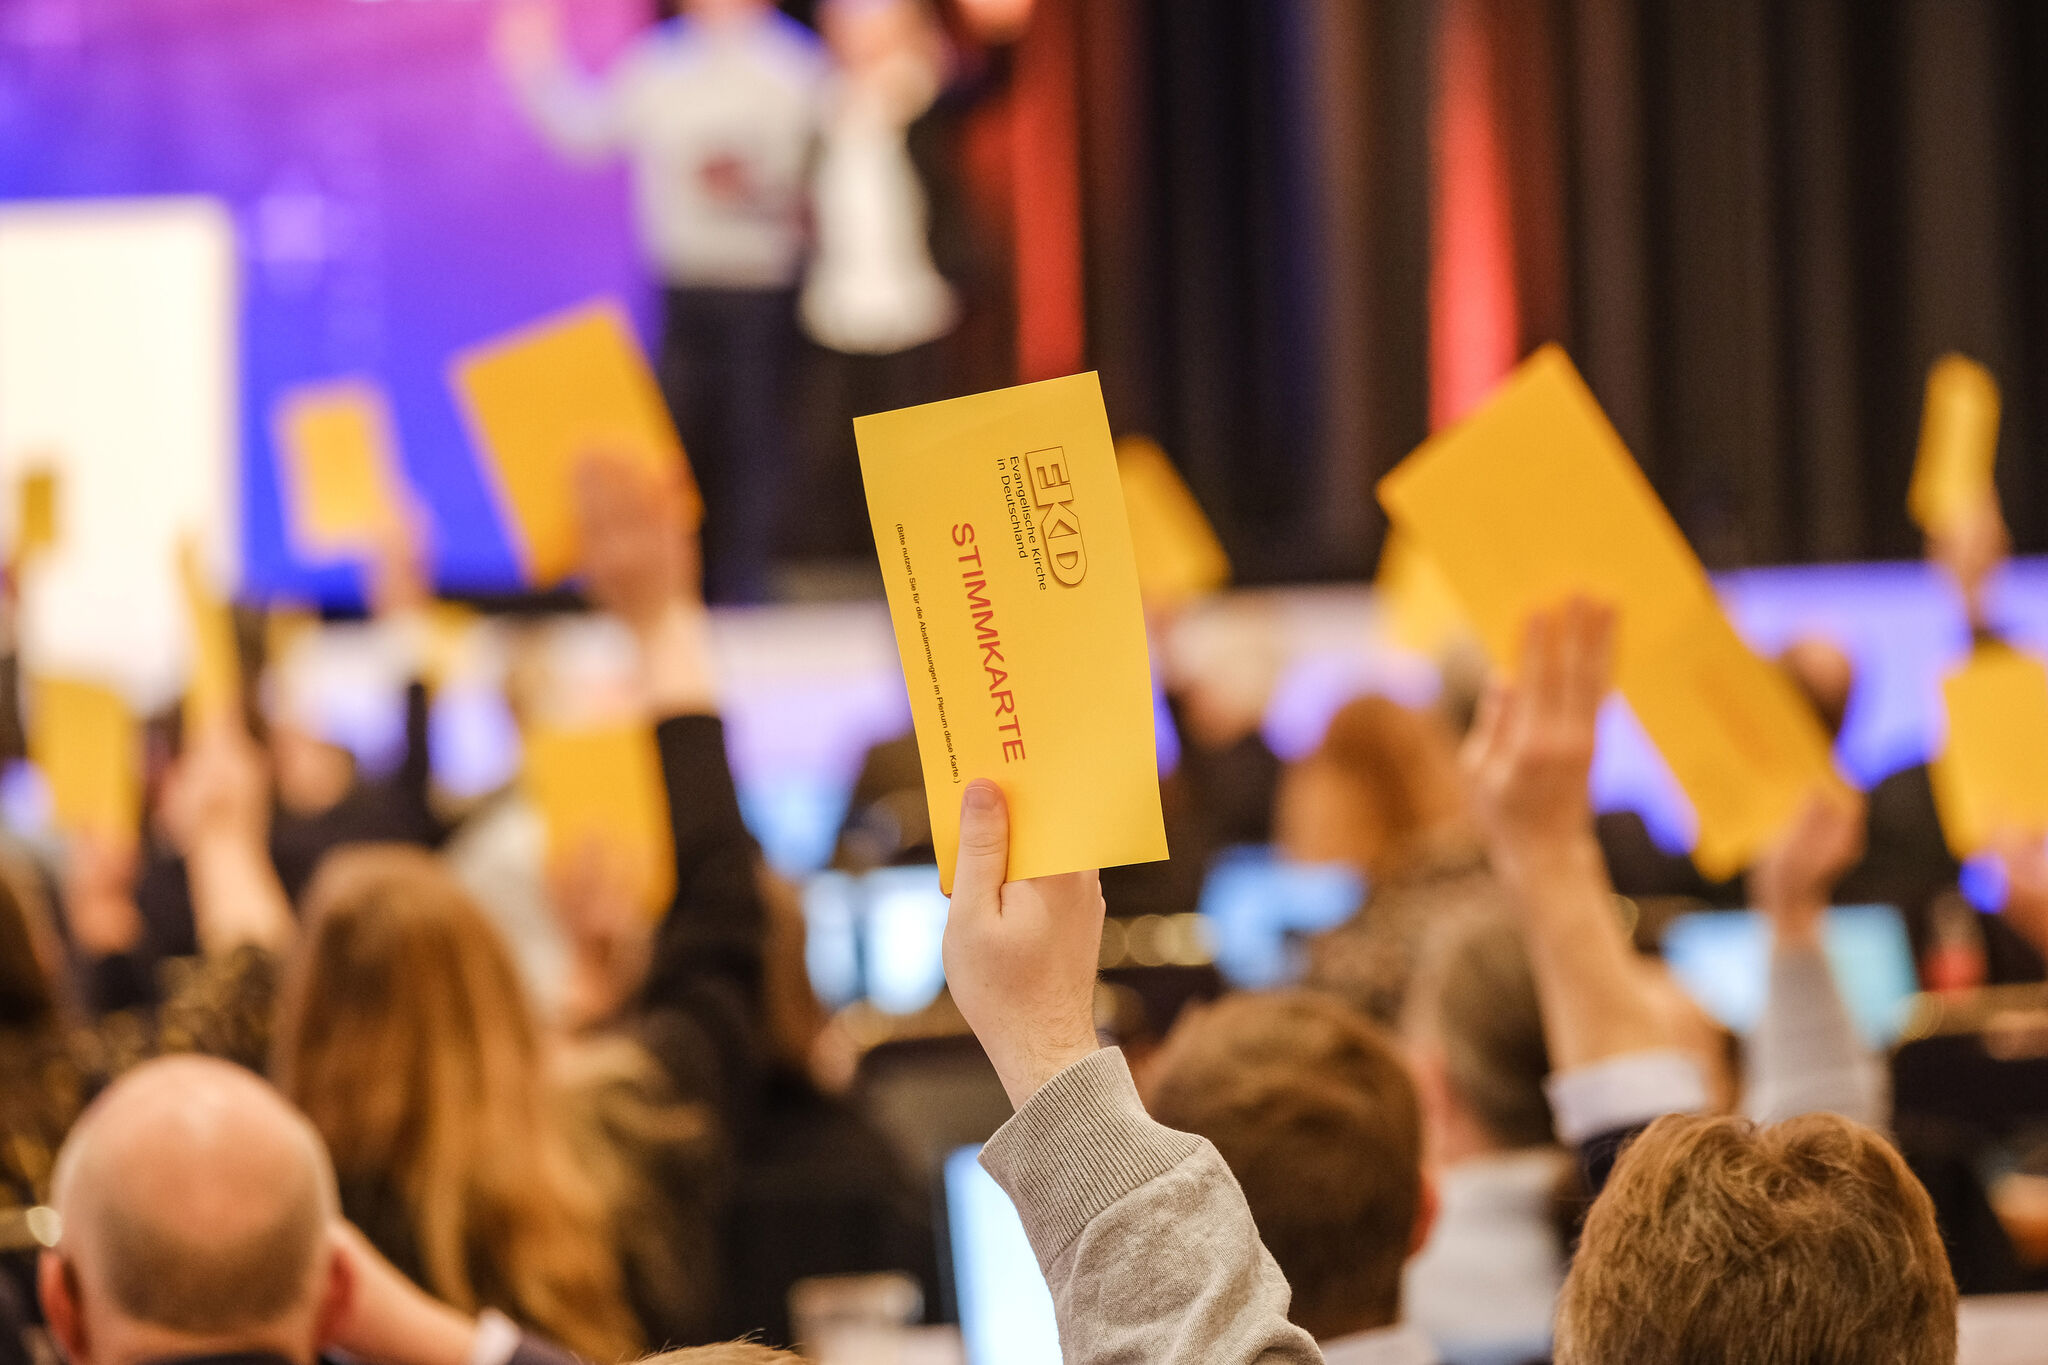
[580, 118]
[1617, 1054]
[703, 992]
[1141, 1231]
[220, 815]
[1806, 1056]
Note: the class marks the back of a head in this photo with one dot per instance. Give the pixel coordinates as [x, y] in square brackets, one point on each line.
[728, 1353]
[1315, 1114]
[403, 1024]
[1804, 1243]
[1382, 791]
[1408, 759]
[404, 1033]
[194, 1202]
[1474, 1004]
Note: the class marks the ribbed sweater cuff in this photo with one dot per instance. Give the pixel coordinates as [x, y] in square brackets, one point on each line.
[1080, 1144]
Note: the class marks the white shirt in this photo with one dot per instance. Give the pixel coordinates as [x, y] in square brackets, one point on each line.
[1401, 1344]
[1492, 1268]
[719, 122]
[872, 287]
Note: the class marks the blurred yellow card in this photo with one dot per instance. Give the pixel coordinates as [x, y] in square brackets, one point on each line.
[1535, 498]
[1992, 775]
[1179, 558]
[85, 740]
[339, 468]
[1738, 735]
[214, 691]
[1007, 557]
[1958, 445]
[1420, 611]
[600, 794]
[547, 396]
[36, 517]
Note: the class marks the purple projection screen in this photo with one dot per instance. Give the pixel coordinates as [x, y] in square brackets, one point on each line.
[388, 201]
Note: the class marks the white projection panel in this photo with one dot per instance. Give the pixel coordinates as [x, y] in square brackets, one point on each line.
[118, 370]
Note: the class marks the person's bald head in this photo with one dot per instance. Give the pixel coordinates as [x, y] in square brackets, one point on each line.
[194, 1202]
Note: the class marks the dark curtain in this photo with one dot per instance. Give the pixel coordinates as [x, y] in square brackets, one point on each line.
[1781, 212]
[1754, 223]
[1257, 178]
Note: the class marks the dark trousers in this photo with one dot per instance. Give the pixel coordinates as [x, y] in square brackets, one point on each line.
[833, 522]
[728, 370]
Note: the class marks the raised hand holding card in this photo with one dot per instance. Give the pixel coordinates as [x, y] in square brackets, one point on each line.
[1006, 552]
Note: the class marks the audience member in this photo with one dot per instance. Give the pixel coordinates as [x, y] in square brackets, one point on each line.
[722, 1013]
[1142, 1233]
[1381, 793]
[1484, 1286]
[196, 1214]
[404, 1035]
[198, 1221]
[1317, 1118]
[1808, 1240]
[1803, 1243]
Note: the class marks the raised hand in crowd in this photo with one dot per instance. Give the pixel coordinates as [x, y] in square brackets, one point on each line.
[217, 808]
[1143, 1233]
[1528, 764]
[2024, 860]
[1021, 956]
[1794, 881]
[98, 897]
[1805, 1054]
[526, 39]
[1971, 551]
[398, 577]
[642, 563]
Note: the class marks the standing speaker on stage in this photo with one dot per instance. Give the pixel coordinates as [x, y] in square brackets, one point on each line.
[718, 111]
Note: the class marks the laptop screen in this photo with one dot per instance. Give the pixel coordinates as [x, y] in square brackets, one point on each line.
[1006, 1313]
[1723, 960]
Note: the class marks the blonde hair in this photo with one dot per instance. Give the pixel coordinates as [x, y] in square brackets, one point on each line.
[403, 1033]
[1805, 1243]
[727, 1353]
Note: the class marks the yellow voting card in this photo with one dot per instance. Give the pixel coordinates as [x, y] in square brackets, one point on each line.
[1007, 557]
[600, 794]
[1535, 498]
[214, 690]
[1419, 611]
[1738, 736]
[1179, 558]
[36, 515]
[1952, 477]
[84, 738]
[549, 395]
[1992, 775]
[338, 462]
